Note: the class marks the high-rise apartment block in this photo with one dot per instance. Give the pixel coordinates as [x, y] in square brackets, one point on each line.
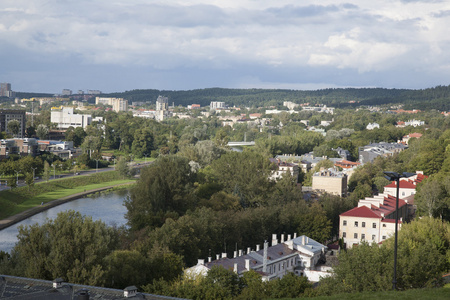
[66, 92]
[214, 105]
[162, 103]
[118, 104]
[7, 115]
[5, 90]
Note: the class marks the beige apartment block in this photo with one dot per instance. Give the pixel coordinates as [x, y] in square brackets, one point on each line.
[373, 221]
[330, 181]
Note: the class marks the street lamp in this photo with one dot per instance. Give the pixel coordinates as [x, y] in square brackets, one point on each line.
[145, 159]
[96, 165]
[54, 171]
[34, 169]
[17, 178]
[394, 176]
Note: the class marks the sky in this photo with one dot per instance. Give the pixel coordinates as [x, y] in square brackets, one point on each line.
[122, 45]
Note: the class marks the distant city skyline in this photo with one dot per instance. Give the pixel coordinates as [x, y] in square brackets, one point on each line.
[114, 46]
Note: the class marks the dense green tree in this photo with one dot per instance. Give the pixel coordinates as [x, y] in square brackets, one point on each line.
[245, 174]
[42, 131]
[71, 246]
[76, 135]
[13, 127]
[143, 142]
[165, 186]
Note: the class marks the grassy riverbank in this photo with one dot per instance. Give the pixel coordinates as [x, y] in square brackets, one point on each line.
[23, 198]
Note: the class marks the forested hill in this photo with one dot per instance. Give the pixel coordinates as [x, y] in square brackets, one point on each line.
[431, 98]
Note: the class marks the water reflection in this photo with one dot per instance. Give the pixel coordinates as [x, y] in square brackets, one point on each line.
[106, 207]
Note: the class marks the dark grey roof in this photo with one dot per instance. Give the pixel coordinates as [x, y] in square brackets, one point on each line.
[12, 287]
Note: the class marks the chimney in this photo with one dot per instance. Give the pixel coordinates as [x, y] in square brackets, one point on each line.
[234, 254]
[57, 283]
[130, 291]
[240, 252]
[83, 294]
[209, 259]
[295, 235]
[249, 250]
[266, 246]
[235, 269]
[224, 255]
[307, 240]
[290, 244]
[274, 240]
[289, 237]
[303, 240]
[217, 256]
[201, 262]
[258, 247]
[282, 238]
[247, 264]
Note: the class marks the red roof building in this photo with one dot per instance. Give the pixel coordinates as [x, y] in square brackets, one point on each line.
[372, 221]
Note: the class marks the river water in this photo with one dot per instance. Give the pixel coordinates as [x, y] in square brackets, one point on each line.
[107, 207]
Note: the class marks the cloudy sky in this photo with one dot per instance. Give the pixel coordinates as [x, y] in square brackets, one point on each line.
[118, 45]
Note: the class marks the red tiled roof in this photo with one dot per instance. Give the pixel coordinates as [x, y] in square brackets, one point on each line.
[391, 221]
[415, 135]
[404, 184]
[362, 212]
[420, 177]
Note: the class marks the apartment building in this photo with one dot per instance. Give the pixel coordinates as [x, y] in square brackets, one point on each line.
[118, 104]
[330, 181]
[373, 220]
[7, 115]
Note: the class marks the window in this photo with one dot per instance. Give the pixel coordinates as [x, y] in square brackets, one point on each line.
[374, 225]
[363, 224]
[383, 237]
[363, 236]
[355, 235]
[344, 223]
[384, 225]
[356, 223]
[373, 237]
[344, 234]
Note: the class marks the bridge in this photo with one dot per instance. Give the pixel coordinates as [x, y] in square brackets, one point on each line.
[240, 144]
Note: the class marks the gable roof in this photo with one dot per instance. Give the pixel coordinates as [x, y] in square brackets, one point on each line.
[361, 212]
[404, 184]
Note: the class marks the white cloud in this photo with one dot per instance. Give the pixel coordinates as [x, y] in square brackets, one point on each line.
[222, 35]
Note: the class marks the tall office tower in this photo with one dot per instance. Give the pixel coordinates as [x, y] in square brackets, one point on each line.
[162, 103]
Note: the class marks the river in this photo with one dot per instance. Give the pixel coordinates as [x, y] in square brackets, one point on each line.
[107, 207]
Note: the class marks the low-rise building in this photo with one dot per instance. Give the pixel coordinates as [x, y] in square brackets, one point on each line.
[369, 152]
[406, 138]
[282, 168]
[372, 126]
[300, 255]
[372, 221]
[64, 117]
[22, 147]
[330, 181]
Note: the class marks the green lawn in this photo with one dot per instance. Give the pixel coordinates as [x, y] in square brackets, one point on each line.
[20, 199]
[57, 194]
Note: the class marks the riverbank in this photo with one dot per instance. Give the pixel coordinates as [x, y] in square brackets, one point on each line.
[11, 220]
